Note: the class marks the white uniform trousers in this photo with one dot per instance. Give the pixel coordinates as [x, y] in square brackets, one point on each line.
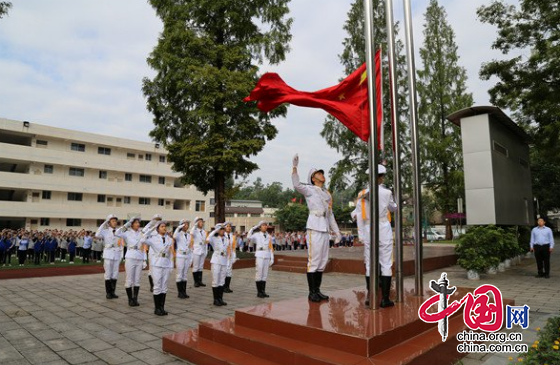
[160, 275]
[261, 266]
[133, 268]
[198, 262]
[317, 250]
[218, 275]
[385, 250]
[183, 264]
[111, 269]
[229, 269]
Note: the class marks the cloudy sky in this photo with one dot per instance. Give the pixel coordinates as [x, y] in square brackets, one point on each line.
[80, 64]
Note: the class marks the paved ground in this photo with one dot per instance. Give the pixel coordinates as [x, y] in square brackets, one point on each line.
[67, 320]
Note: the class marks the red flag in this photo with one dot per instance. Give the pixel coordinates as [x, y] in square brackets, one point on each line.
[346, 101]
[294, 200]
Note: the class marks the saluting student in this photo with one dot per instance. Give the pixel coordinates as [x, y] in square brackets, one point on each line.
[264, 255]
[111, 254]
[161, 252]
[200, 250]
[319, 223]
[149, 227]
[183, 256]
[219, 260]
[232, 242]
[134, 259]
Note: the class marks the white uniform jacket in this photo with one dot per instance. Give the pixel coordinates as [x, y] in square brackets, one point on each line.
[221, 250]
[133, 240]
[199, 236]
[386, 205]
[184, 241]
[161, 250]
[232, 241]
[319, 202]
[263, 244]
[111, 249]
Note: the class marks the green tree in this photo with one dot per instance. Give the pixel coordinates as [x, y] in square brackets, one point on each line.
[272, 195]
[4, 7]
[292, 217]
[529, 82]
[351, 169]
[441, 91]
[206, 62]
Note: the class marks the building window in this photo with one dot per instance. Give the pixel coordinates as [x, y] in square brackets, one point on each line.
[200, 206]
[79, 147]
[48, 169]
[161, 158]
[104, 151]
[242, 215]
[76, 197]
[45, 221]
[46, 195]
[101, 198]
[127, 177]
[74, 171]
[148, 157]
[140, 157]
[146, 179]
[161, 202]
[230, 215]
[72, 222]
[144, 201]
[127, 200]
[110, 199]
[42, 143]
[35, 195]
[131, 156]
[102, 174]
[212, 214]
[161, 180]
[500, 149]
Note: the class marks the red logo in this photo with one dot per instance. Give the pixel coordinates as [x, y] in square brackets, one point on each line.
[479, 313]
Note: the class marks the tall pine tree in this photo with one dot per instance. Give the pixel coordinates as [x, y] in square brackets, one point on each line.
[207, 61]
[351, 169]
[441, 91]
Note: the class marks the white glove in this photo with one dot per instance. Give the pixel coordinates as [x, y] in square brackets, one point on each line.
[338, 238]
[271, 261]
[128, 224]
[144, 265]
[295, 161]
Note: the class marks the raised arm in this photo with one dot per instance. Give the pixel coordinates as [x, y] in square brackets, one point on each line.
[304, 189]
[100, 229]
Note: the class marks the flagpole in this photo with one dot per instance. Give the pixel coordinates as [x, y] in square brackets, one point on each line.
[413, 106]
[372, 158]
[393, 89]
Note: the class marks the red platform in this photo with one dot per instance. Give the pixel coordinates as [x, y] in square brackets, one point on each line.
[340, 331]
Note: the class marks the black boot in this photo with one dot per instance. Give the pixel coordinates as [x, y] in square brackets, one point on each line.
[367, 293]
[221, 295]
[318, 281]
[385, 290]
[259, 289]
[226, 286]
[157, 305]
[217, 302]
[151, 283]
[185, 290]
[108, 289]
[311, 283]
[195, 278]
[162, 304]
[135, 296]
[180, 290]
[263, 286]
[200, 279]
[129, 295]
[114, 287]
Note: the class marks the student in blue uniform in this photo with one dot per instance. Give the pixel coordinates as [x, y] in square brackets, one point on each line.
[38, 248]
[22, 249]
[72, 248]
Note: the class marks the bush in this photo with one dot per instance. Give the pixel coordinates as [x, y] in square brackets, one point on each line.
[546, 350]
[479, 248]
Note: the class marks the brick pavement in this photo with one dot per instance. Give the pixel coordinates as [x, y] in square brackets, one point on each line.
[67, 320]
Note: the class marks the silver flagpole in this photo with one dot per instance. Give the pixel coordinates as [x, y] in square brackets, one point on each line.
[373, 157]
[396, 146]
[418, 282]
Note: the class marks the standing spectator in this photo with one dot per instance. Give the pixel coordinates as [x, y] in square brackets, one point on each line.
[88, 243]
[38, 249]
[542, 244]
[50, 249]
[63, 245]
[31, 246]
[80, 246]
[10, 247]
[72, 249]
[3, 248]
[22, 249]
[97, 247]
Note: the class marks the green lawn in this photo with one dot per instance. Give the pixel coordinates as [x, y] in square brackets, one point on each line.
[30, 265]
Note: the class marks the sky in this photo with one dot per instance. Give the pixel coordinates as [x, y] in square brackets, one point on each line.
[80, 64]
